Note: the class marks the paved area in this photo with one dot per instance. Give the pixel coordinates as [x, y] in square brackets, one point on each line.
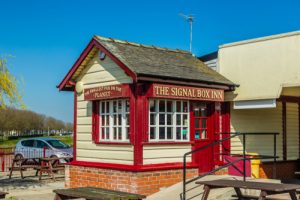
[30, 188]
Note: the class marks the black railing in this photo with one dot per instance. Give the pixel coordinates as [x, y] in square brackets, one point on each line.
[244, 158]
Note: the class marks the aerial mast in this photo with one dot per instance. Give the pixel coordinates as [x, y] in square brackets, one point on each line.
[190, 19]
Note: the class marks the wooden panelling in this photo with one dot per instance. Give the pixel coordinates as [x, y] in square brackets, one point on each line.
[99, 73]
[257, 120]
[154, 154]
[292, 136]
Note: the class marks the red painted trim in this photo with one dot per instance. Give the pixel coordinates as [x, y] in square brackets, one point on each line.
[94, 43]
[140, 124]
[75, 126]
[299, 128]
[166, 143]
[284, 148]
[225, 112]
[134, 168]
[95, 122]
[113, 143]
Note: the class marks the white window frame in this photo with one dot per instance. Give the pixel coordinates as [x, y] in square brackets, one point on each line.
[111, 124]
[174, 121]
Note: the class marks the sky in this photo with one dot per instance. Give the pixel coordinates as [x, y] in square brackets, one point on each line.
[43, 39]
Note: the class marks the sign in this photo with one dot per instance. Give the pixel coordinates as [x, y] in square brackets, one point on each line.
[106, 92]
[191, 93]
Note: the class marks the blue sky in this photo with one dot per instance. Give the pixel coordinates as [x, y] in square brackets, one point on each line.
[46, 37]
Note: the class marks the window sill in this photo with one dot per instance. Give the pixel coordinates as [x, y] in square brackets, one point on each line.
[114, 143]
[166, 143]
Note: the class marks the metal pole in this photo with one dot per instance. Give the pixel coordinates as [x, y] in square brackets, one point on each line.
[275, 155]
[244, 156]
[184, 176]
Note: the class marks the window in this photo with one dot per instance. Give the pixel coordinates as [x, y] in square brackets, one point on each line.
[114, 120]
[40, 144]
[168, 120]
[27, 143]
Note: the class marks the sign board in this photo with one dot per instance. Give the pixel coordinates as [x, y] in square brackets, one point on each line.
[106, 92]
[183, 92]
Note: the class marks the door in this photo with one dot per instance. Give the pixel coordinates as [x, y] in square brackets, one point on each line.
[202, 130]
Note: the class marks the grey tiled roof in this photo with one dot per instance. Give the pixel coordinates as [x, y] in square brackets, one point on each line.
[161, 62]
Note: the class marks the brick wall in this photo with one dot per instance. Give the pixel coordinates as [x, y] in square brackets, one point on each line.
[145, 183]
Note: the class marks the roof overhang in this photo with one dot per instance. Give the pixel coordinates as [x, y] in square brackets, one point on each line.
[66, 83]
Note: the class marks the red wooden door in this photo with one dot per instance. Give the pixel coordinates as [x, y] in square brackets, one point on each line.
[202, 130]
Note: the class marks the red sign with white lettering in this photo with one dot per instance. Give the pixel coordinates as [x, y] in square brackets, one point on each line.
[106, 92]
[183, 92]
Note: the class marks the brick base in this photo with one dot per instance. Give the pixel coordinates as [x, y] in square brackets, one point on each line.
[284, 170]
[145, 183]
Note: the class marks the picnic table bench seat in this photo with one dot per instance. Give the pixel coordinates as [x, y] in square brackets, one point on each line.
[265, 188]
[91, 193]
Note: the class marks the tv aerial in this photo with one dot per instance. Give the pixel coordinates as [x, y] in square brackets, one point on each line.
[189, 18]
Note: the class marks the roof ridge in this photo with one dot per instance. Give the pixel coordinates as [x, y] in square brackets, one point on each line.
[140, 45]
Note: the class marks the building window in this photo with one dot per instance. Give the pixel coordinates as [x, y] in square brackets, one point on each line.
[168, 120]
[114, 120]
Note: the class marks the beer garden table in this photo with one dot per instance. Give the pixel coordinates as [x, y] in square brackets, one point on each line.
[265, 188]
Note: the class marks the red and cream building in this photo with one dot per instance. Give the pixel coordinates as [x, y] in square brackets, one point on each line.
[137, 110]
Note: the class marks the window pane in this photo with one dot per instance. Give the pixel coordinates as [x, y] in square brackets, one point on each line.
[203, 112]
[119, 119]
[127, 119]
[185, 106]
[161, 132]
[169, 106]
[169, 119]
[152, 132]
[102, 133]
[120, 133]
[102, 107]
[102, 123]
[119, 106]
[203, 134]
[107, 133]
[178, 119]
[162, 119]
[107, 107]
[152, 105]
[127, 133]
[178, 133]
[184, 133]
[107, 120]
[127, 106]
[115, 133]
[197, 124]
[162, 106]
[178, 106]
[197, 134]
[185, 120]
[203, 123]
[169, 133]
[115, 120]
[152, 119]
[114, 106]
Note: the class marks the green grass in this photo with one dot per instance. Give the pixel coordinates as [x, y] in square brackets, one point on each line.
[12, 143]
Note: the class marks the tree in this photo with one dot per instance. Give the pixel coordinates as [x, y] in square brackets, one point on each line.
[9, 92]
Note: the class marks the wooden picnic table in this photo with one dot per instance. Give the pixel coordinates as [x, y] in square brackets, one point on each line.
[265, 188]
[50, 165]
[3, 194]
[41, 165]
[91, 193]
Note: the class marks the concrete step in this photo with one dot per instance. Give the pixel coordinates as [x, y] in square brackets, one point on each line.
[173, 192]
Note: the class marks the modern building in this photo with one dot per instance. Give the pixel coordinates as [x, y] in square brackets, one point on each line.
[267, 71]
[137, 110]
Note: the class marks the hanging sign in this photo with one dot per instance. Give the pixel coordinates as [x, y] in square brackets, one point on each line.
[183, 92]
[106, 92]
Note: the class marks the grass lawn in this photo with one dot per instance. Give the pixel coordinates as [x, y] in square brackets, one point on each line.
[12, 143]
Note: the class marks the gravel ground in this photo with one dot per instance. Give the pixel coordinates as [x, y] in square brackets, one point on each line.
[30, 188]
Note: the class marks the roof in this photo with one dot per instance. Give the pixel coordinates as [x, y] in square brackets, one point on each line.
[210, 56]
[153, 61]
[260, 39]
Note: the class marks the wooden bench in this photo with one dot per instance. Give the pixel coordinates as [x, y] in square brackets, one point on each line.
[3, 194]
[50, 165]
[265, 188]
[21, 164]
[95, 194]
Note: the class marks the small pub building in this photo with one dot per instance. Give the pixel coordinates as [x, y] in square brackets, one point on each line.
[137, 110]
